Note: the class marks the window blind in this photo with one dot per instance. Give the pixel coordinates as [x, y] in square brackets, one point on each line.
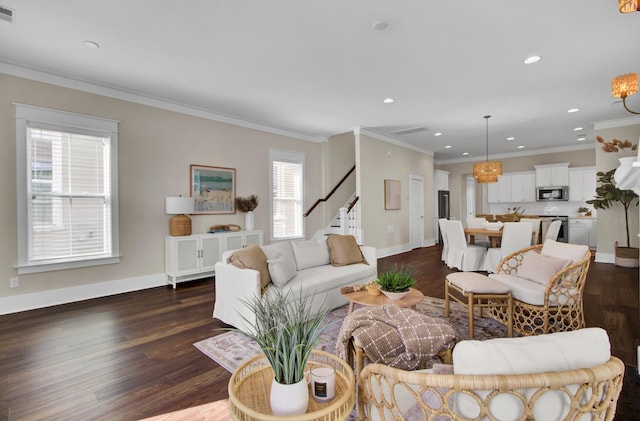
[287, 184]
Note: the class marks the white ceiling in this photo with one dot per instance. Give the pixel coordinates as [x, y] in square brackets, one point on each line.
[318, 68]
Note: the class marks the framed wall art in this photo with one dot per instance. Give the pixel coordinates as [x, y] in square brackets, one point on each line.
[391, 194]
[213, 189]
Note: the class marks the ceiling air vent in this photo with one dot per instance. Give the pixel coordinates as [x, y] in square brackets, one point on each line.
[6, 14]
[410, 130]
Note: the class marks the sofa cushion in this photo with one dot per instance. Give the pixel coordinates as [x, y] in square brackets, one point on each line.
[319, 279]
[540, 268]
[309, 254]
[521, 288]
[281, 263]
[344, 250]
[574, 252]
[252, 257]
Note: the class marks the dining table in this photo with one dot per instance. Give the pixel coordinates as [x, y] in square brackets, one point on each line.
[494, 235]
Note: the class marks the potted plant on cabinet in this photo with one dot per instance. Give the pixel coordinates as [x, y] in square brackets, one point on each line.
[247, 204]
[286, 331]
[607, 195]
[395, 281]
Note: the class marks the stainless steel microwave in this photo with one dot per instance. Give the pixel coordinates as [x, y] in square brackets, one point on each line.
[545, 194]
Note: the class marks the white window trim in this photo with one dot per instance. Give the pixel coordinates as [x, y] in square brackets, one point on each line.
[289, 156]
[25, 113]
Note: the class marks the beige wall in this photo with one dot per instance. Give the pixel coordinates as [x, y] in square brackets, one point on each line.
[459, 172]
[378, 161]
[611, 226]
[155, 150]
[339, 155]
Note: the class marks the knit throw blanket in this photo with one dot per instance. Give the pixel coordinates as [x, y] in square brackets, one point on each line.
[394, 336]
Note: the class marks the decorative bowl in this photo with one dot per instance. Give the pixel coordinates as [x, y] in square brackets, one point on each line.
[493, 226]
[394, 295]
[373, 290]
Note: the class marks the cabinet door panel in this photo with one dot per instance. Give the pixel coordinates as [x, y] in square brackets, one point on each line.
[211, 252]
[187, 255]
[253, 238]
[233, 241]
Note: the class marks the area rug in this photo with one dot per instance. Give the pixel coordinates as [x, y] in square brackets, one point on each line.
[231, 349]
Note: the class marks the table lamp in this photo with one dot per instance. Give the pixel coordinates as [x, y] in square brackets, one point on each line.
[179, 224]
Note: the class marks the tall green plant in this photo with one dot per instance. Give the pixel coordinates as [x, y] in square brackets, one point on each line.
[607, 194]
[286, 331]
[397, 278]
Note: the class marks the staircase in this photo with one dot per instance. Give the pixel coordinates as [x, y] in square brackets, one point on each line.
[345, 221]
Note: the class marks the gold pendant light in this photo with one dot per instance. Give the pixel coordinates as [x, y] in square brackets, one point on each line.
[628, 6]
[488, 171]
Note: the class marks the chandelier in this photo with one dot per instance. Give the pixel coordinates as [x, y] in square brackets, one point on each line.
[628, 6]
[624, 85]
[488, 171]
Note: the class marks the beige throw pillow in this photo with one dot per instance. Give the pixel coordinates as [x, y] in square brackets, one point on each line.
[539, 268]
[344, 250]
[254, 258]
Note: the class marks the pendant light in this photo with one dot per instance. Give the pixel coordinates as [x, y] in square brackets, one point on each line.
[488, 171]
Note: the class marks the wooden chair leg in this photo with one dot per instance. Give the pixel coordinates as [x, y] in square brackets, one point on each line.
[446, 298]
[470, 304]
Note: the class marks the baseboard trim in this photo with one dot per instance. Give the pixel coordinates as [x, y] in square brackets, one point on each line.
[35, 300]
[605, 258]
[390, 251]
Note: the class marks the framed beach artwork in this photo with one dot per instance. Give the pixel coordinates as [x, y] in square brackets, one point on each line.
[391, 194]
[213, 189]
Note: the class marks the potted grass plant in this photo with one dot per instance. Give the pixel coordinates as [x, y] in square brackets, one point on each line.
[395, 281]
[286, 330]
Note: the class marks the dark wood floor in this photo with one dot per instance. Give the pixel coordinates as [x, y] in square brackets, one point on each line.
[131, 356]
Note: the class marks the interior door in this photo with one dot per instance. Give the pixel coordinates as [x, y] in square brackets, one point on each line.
[416, 210]
[471, 197]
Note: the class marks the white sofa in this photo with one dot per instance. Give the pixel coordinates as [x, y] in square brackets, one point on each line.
[299, 267]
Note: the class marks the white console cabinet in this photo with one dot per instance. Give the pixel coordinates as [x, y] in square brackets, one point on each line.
[194, 256]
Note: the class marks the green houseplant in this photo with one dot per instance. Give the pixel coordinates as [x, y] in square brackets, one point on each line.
[395, 280]
[607, 195]
[286, 330]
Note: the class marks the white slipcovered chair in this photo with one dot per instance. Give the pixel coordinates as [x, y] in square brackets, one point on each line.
[552, 231]
[567, 375]
[445, 243]
[535, 225]
[462, 256]
[475, 222]
[515, 236]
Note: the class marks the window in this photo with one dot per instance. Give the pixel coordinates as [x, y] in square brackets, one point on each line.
[67, 190]
[287, 186]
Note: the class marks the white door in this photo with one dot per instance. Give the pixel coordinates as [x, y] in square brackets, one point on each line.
[416, 210]
[471, 197]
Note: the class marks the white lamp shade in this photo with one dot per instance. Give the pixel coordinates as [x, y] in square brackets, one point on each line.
[179, 205]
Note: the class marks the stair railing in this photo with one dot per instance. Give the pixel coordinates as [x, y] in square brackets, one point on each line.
[307, 213]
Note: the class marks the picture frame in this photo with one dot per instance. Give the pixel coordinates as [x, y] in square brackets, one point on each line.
[213, 189]
[391, 194]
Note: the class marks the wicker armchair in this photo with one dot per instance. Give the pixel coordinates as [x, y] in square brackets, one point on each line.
[386, 393]
[561, 309]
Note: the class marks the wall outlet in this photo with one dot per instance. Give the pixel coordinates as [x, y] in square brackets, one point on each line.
[14, 282]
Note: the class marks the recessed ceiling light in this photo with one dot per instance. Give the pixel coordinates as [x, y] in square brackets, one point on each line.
[511, 138]
[573, 110]
[520, 146]
[380, 25]
[437, 134]
[465, 153]
[448, 147]
[91, 44]
[388, 100]
[577, 129]
[531, 59]
[581, 138]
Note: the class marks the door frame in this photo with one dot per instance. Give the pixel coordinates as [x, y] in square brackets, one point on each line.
[416, 242]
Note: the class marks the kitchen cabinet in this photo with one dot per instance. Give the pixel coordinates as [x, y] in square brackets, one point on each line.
[194, 256]
[583, 231]
[500, 191]
[523, 187]
[441, 179]
[582, 184]
[552, 175]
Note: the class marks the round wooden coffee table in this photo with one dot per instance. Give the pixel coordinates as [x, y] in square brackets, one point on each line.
[365, 299]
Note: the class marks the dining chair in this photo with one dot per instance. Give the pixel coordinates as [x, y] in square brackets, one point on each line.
[515, 236]
[476, 222]
[553, 231]
[535, 224]
[445, 242]
[462, 256]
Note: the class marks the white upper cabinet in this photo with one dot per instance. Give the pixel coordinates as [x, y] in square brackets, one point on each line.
[500, 191]
[582, 184]
[441, 179]
[552, 175]
[523, 187]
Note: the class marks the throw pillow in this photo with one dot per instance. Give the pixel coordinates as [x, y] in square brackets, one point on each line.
[281, 269]
[344, 250]
[252, 257]
[309, 254]
[539, 268]
[575, 252]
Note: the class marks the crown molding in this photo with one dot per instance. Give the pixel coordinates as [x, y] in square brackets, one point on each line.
[581, 147]
[389, 139]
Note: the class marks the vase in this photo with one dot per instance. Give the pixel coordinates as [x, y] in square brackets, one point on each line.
[394, 295]
[248, 221]
[289, 399]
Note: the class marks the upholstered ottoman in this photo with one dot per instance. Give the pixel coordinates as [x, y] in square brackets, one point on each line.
[480, 291]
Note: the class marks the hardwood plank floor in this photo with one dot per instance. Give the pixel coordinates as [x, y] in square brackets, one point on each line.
[131, 356]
